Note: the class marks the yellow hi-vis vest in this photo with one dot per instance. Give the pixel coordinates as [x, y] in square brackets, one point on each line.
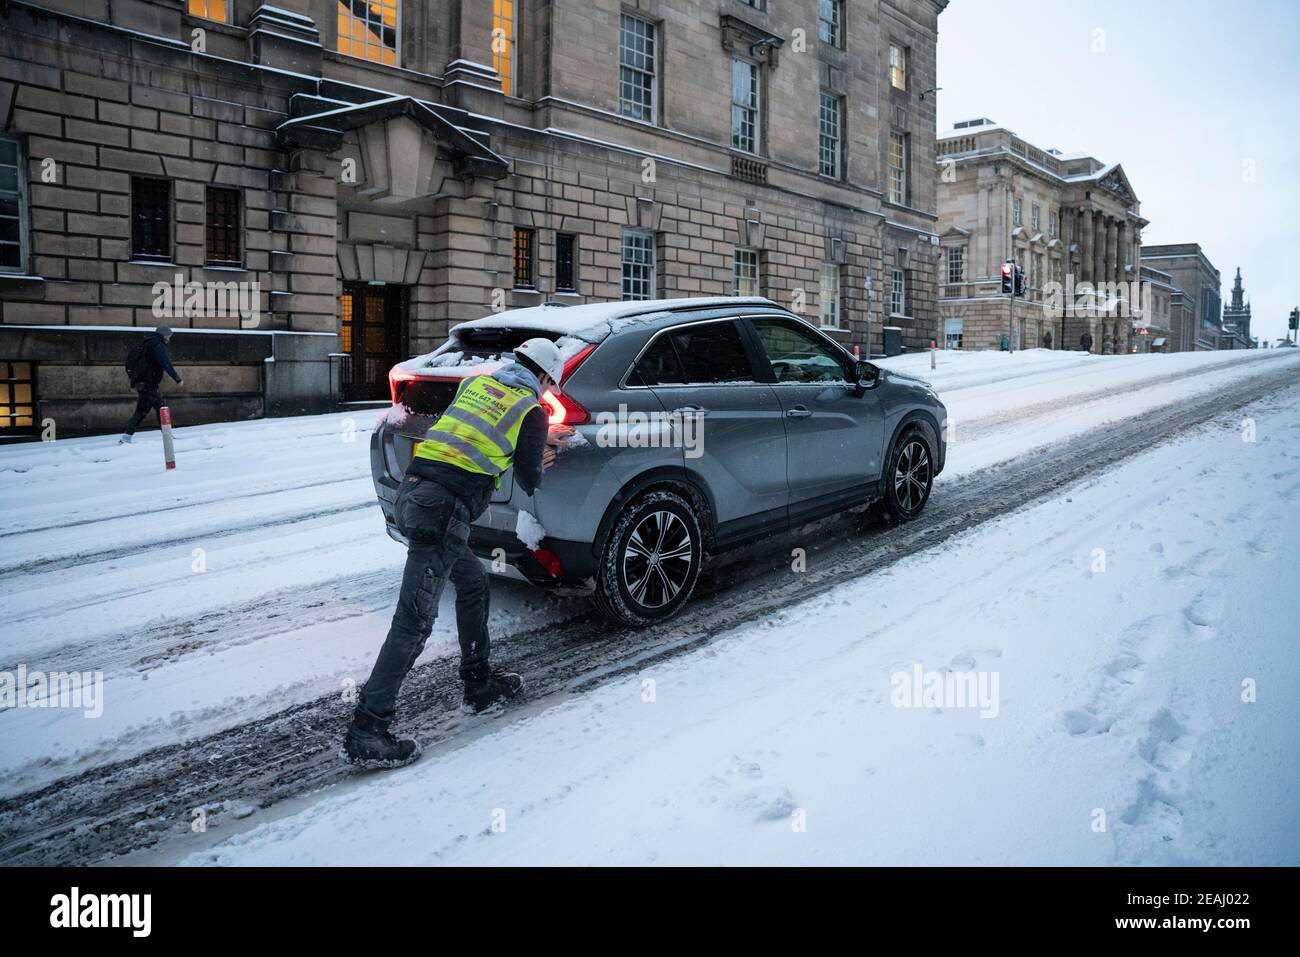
[480, 428]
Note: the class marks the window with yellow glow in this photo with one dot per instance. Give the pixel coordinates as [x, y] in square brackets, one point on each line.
[368, 29]
[17, 398]
[209, 9]
[503, 43]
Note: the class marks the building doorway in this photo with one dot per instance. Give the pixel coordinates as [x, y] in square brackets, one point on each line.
[372, 335]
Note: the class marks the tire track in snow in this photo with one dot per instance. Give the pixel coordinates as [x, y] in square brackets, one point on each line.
[214, 532]
[147, 801]
[185, 505]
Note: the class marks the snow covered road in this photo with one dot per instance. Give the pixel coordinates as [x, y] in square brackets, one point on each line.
[1119, 733]
[225, 683]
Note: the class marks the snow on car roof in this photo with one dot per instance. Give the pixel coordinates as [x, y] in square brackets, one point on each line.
[575, 328]
[593, 321]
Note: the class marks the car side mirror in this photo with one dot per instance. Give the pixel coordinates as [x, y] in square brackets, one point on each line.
[867, 375]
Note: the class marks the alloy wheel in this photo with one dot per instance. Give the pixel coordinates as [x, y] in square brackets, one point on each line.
[657, 559]
[912, 476]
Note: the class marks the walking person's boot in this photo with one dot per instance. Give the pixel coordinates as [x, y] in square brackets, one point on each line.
[370, 744]
[497, 687]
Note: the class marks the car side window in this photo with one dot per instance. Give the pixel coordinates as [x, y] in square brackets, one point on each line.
[712, 352]
[659, 365]
[798, 355]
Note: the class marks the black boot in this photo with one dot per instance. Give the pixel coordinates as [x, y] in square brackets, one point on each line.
[378, 748]
[497, 687]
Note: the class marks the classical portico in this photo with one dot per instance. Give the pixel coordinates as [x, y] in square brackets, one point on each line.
[1102, 230]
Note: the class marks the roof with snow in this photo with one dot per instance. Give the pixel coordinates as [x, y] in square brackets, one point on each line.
[593, 321]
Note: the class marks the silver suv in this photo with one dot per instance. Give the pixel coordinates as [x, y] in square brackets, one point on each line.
[685, 427]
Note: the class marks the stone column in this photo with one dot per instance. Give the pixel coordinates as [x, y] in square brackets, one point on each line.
[1085, 247]
[1112, 250]
[1099, 248]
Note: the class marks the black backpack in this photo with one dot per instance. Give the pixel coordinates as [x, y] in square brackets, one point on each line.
[137, 361]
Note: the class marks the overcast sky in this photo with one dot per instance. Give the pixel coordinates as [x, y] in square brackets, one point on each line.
[1190, 96]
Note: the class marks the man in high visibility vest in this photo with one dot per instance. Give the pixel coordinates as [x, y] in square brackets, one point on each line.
[495, 422]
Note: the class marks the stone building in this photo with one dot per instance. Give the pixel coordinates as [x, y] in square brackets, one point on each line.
[1197, 325]
[355, 176]
[1071, 222]
[1161, 300]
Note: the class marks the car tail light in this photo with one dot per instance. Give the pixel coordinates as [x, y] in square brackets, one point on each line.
[560, 408]
[550, 561]
[398, 379]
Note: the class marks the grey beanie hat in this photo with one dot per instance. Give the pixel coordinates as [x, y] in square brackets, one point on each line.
[163, 331]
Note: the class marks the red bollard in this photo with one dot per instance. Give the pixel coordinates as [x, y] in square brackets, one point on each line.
[169, 450]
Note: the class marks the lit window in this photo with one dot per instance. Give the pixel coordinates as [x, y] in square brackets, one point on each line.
[830, 296]
[637, 70]
[830, 20]
[368, 29]
[638, 264]
[898, 67]
[744, 105]
[828, 143]
[17, 398]
[209, 9]
[745, 272]
[12, 258]
[503, 43]
[897, 168]
[524, 259]
[956, 263]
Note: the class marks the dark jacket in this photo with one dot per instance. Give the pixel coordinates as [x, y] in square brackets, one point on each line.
[474, 489]
[158, 361]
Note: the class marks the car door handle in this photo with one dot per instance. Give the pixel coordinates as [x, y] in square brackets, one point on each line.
[691, 410]
[798, 412]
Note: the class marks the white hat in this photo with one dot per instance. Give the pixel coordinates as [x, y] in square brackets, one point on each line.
[544, 354]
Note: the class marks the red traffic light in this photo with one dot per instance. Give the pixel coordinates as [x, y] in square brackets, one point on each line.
[1007, 269]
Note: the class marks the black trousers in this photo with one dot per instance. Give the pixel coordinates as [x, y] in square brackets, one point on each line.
[436, 525]
[148, 400]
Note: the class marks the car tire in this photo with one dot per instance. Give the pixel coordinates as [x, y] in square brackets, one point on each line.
[640, 581]
[909, 472]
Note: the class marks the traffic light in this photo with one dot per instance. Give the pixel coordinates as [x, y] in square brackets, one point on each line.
[1008, 277]
[1020, 281]
[1295, 319]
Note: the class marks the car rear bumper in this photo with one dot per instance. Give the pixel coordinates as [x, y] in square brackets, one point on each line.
[492, 538]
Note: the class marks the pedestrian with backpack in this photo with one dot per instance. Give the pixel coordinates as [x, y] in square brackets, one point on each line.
[145, 365]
